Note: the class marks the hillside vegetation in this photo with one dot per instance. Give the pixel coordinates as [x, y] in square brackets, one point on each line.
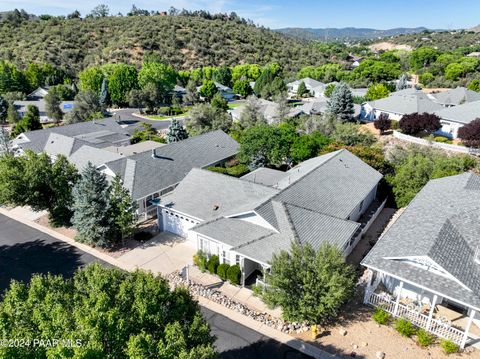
[186, 42]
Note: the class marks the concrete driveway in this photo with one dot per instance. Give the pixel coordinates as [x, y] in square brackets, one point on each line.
[163, 254]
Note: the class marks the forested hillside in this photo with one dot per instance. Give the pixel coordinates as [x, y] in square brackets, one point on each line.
[461, 41]
[184, 41]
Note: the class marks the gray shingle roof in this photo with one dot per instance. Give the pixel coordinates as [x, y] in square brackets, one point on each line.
[406, 102]
[465, 113]
[173, 162]
[309, 83]
[456, 96]
[266, 176]
[441, 223]
[201, 190]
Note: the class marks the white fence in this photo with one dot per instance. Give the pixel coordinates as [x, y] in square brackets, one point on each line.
[418, 319]
[443, 146]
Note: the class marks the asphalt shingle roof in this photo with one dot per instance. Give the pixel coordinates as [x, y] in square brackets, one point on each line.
[465, 113]
[406, 102]
[441, 223]
[456, 96]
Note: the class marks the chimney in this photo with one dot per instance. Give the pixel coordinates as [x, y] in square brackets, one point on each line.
[154, 155]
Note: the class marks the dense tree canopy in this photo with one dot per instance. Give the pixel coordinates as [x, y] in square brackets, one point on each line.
[205, 118]
[112, 313]
[470, 134]
[415, 123]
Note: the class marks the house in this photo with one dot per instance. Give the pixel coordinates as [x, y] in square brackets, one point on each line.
[38, 94]
[246, 220]
[474, 54]
[426, 266]
[455, 97]
[147, 169]
[269, 110]
[312, 85]
[225, 91]
[355, 61]
[318, 107]
[400, 103]
[452, 118]
[22, 106]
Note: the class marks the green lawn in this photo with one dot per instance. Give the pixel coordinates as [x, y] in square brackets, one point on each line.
[161, 118]
[234, 105]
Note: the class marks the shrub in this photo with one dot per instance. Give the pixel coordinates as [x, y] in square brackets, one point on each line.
[442, 139]
[415, 123]
[404, 327]
[218, 170]
[212, 264]
[200, 260]
[383, 123]
[222, 270]
[448, 346]
[394, 125]
[381, 316]
[470, 134]
[424, 338]
[233, 274]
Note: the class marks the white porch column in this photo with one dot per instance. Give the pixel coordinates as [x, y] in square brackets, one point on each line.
[467, 329]
[368, 286]
[397, 302]
[430, 313]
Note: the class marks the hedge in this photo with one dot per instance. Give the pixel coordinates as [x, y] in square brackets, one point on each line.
[233, 274]
[222, 270]
[212, 264]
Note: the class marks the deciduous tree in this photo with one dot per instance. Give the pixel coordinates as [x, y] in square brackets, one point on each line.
[122, 209]
[205, 118]
[415, 123]
[470, 134]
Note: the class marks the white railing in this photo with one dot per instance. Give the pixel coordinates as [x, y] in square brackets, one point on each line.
[443, 146]
[418, 319]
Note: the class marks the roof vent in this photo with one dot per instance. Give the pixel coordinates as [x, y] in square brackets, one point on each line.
[216, 207]
[154, 155]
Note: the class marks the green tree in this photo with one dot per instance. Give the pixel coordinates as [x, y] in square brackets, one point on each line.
[242, 88]
[191, 95]
[29, 122]
[101, 10]
[3, 110]
[269, 83]
[92, 208]
[351, 134]
[13, 116]
[302, 89]
[376, 92]
[34, 180]
[402, 83]
[86, 107]
[52, 104]
[329, 90]
[176, 132]
[341, 103]
[11, 79]
[91, 79]
[122, 79]
[162, 76]
[103, 95]
[252, 114]
[208, 89]
[474, 85]
[113, 313]
[4, 141]
[422, 57]
[219, 101]
[309, 286]
[146, 132]
[454, 71]
[205, 118]
[122, 209]
[223, 75]
[375, 71]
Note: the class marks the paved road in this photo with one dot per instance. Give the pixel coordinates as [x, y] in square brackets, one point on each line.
[235, 341]
[25, 250]
[125, 116]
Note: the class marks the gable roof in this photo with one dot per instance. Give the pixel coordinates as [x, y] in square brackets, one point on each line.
[406, 102]
[308, 81]
[464, 113]
[172, 162]
[456, 96]
[441, 223]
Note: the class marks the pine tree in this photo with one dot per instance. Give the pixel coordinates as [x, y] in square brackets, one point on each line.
[252, 114]
[3, 110]
[402, 83]
[91, 206]
[53, 102]
[103, 97]
[12, 114]
[123, 209]
[176, 132]
[4, 141]
[341, 103]
[302, 89]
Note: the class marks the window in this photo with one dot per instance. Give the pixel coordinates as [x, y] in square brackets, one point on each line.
[237, 259]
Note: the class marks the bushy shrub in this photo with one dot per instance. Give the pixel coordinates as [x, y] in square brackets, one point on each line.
[212, 264]
[394, 125]
[404, 327]
[200, 260]
[218, 170]
[470, 134]
[233, 274]
[238, 170]
[448, 346]
[383, 123]
[424, 338]
[415, 123]
[441, 139]
[222, 270]
[381, 316]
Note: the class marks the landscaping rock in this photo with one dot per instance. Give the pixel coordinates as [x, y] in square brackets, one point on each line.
[380, 355]
[342, 331]
[364, 344]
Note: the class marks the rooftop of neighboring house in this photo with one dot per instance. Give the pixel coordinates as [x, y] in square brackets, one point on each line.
[21, 106]
[309, 83]
[464, 113]
[435, 242]
[457, 96]
[405, 102]
[257, 216]
[269, 109]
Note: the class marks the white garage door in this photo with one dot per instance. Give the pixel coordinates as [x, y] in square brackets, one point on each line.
[176, 224]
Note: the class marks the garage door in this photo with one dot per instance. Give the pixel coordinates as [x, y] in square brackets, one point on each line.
[176, 224]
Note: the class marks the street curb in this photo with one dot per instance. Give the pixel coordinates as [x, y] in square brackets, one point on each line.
[263, 329]
[301, 346]
[92, 251]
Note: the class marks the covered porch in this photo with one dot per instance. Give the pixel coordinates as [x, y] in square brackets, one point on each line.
[443, 317]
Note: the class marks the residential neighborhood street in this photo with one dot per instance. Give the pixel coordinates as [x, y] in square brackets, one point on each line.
[25, 251]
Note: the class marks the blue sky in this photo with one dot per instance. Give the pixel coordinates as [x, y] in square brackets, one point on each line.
[381, 14]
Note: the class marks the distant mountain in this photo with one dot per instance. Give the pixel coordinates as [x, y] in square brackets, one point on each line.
[347, 33]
